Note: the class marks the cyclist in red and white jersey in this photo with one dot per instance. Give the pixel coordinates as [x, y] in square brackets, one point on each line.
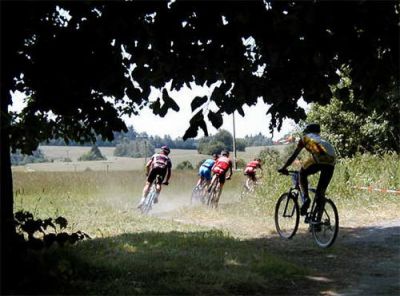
[222, 165]
[159, 166]
[251, 169]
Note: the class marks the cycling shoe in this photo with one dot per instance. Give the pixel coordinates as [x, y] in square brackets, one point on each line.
[304, 207]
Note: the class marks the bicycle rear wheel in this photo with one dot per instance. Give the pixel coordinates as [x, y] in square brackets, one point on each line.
[212, 196]
[248, 187]
[244, 192]
[148, 202]
[325, 232]
[287, 216]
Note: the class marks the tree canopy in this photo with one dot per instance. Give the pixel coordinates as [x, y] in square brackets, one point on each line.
[69, 56]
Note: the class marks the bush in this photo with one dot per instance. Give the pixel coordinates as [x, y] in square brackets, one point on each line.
[18, 158]
[93, 154]
[222, 140]
[185, 165]
[211, 147]
[270, 157]
[240, 163]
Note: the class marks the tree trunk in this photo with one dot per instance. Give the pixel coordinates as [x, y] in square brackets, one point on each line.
[6, 198]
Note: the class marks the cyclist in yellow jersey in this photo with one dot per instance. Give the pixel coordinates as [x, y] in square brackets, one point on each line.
[323, 159]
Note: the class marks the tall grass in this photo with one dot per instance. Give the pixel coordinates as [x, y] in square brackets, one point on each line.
[363, 170]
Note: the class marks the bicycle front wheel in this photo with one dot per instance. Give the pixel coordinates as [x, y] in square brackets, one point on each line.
[287, 216]
[250, 185]
[196, 195]
[326, 231]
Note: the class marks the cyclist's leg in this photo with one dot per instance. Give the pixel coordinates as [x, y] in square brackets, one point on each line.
[201, 175]
[206, 181]
[308, 169]
[146, 188]
[213, 179]
[220, 186]
[253, 180]
[324, 180]
[160, 177]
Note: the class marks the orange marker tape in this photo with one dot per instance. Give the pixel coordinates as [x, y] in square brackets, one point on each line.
[370, 189]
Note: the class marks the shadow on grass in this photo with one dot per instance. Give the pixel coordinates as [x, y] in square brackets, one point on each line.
[195, 263]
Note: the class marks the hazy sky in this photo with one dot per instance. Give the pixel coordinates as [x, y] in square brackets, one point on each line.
[176, 123]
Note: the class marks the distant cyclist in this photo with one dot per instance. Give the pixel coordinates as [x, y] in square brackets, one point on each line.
[222, 165]
[323, 159]
[251, 169]
[205, 170]
[159, 166]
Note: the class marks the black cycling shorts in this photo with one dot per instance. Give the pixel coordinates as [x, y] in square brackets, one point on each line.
[222, 178]
[158, 173]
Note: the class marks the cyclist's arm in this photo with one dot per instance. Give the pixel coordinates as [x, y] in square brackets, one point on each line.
[292, 157]
[166, 179]
[148, 165]
[168, 175]
[230, 171]
[262, 171]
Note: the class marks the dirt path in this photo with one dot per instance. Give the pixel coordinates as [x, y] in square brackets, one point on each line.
[379, 263]
[365, 260]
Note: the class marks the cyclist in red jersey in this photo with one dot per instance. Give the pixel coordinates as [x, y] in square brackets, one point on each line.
[159, 166]
[251, 169]
[220, 168]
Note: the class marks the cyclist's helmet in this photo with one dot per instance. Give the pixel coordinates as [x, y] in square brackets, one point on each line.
[224, 153]
[165, 149]
[312, 128]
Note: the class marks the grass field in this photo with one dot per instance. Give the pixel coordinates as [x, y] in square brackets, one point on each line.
[180, 249]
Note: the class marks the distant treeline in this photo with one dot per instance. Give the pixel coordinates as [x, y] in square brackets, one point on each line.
[156, 141]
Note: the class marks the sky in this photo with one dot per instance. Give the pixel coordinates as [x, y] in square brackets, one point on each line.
[175, 123]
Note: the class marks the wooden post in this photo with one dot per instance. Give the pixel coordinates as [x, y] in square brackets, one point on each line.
[234, 142]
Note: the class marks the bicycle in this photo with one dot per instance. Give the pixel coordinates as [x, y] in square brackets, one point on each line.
[249, 186]
[199, 193]
[324, 225]
[151, 196]
[213, 192]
